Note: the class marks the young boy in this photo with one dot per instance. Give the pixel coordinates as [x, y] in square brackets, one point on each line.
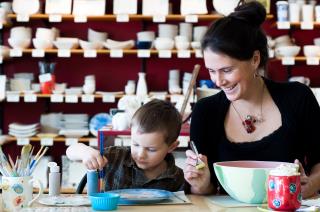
[148, 163]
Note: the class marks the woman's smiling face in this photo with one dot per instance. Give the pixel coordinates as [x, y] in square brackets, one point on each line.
[233, 76]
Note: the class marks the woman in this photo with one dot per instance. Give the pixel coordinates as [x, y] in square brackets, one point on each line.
[252, 118]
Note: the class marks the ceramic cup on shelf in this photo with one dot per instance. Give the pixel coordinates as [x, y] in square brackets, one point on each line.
[294, 12]
[282, 11]
[17, 192]
[307, 13]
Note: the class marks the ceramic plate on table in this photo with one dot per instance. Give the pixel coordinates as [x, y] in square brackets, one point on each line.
[142, 196]
[74, 200]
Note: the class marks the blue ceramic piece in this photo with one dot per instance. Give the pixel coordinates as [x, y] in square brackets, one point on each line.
[104, 201]
[142, 196]
[98, 121]
[144, 44]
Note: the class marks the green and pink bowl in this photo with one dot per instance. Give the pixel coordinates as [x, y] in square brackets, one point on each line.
[245, 181]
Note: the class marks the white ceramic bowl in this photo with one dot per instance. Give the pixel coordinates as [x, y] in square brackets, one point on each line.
[87, 45]
[26, 7]
[287, 51]
[225, 7]
[94, 36]
[66, 43]
[316, 41]
[112, 44]
[42, 43]
[18, 43]
[146, 36]
[311, 51]
[182, 45]
[20, 32]
[164, 44]
[45, 33]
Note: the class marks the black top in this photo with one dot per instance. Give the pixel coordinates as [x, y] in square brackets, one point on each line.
[297, 138]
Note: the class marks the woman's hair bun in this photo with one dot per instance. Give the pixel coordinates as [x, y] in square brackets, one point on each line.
[252, 12]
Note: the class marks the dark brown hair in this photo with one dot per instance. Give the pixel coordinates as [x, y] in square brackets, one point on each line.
[158, 116]
[239, 34]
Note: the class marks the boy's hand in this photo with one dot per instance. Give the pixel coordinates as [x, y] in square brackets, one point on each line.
[93, 160]
[199, 179]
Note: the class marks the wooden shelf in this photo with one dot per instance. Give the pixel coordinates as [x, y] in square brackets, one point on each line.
[96, 96]
[111, 17]
[56, 139]
[105, 51]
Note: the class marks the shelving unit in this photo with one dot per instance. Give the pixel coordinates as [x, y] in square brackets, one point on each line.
[138, 17]
[132, 61]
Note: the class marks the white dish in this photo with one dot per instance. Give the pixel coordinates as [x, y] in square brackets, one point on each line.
[155, 7]
[87, 45]
[188, 7]
[19, 43]
[74, 133]
[18, 126]
[225, 7]
[89, 7]
[112, 44]
[125, 6]
[66, 43]
[74, 200]
[27, 7]
[22, 135]
[58, 6]
[42, 44]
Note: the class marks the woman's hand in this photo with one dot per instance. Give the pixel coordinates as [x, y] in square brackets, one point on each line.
[93, 160]
[199, 179]
[307, 187]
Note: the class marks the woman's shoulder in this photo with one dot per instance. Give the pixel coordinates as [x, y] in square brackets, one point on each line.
[288, 90]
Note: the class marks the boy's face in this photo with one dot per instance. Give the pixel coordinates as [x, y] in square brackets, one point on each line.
[148, 150]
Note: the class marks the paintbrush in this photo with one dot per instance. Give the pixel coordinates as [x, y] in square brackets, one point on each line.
[24, 157]
[200, 164]
[31, 169]
[35, 157]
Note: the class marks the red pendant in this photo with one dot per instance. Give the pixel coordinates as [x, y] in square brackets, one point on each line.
[248, 124]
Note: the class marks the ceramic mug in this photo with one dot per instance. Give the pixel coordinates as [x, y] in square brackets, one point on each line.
[17, 192]
[284, 192]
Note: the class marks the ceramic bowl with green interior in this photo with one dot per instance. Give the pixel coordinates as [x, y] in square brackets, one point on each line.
[245, 181]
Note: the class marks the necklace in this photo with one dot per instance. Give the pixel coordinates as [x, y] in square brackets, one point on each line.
[250, 120]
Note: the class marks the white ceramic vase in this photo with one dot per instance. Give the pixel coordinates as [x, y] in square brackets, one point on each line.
[142, 89]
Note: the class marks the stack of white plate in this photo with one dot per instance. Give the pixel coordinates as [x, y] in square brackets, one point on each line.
[23, 130]
[74, 125]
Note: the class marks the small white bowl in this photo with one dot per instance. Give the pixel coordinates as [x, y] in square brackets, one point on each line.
[225, 7]
[42, 44]
[112, 44]
[22, 43]
[311, 51]
[182, 45]
[164, 44]
[316, 41]
[90, 45]
[66, 43]
[95, 36]
[196, 44]
[287, 51]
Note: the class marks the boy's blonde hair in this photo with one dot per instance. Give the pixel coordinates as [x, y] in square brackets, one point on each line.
[158, 116]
